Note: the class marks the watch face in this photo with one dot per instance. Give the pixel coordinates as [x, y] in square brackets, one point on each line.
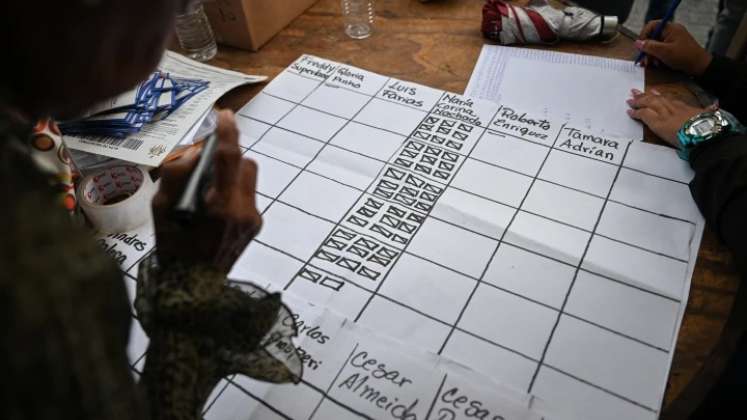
[704, 127]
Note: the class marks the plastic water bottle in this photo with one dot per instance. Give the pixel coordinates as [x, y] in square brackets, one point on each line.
[358, 16]
[195, 34]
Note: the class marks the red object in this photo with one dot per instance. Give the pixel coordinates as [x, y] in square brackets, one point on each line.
[540, 24]
[495, 11]
[492, 19]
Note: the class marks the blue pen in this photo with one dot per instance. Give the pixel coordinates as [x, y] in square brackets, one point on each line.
[660, 27]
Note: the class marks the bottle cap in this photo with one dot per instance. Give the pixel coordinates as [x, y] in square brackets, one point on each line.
[609, 26]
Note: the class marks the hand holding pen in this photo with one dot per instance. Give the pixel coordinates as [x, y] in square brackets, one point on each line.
[675, 48]
[205, 210]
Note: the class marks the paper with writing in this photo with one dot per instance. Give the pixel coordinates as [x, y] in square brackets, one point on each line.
[353, 373]
[151, 145]
[508, 240]
[590, 90]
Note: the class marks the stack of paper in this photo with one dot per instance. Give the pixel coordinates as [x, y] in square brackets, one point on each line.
[588, 91]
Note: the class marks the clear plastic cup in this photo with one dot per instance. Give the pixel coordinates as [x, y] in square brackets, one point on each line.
[358, 17]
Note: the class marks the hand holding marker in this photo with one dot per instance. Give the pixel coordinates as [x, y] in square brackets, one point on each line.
[660, 28]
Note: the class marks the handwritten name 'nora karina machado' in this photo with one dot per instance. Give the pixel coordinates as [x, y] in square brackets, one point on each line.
[589, 144]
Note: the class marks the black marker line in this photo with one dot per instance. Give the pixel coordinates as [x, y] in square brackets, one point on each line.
[498, 245]
[438, 394]
[575, 275]
[339, 372]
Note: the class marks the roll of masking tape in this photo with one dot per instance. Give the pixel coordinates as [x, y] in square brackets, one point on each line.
[117, 199]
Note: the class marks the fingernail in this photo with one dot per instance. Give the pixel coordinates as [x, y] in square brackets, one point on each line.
[225, 113]
[191, 153]
[630, 102]
[639, 43]
[630, 112]
[636, 92]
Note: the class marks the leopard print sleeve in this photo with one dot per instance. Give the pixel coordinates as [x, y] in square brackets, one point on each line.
[203, 329]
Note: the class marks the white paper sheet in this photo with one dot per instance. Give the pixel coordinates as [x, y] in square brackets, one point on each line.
[352, 372]
[151, 145]
[589, 90]
[540, 271]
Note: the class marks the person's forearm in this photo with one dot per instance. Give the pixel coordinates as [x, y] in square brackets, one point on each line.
[720, 190]
[727, 79]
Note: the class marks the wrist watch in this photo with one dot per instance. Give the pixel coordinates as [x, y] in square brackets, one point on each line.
[706, 126]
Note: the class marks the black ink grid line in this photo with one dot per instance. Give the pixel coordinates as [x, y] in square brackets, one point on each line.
[412, 238]
[498, 245]
[212, 402]
[339, 372]
[321, 82]
[507, 227]
[438, 394]
[262, 135]
[404, 251]
[575, 275]
[359, 93]
[479, 337]
[519, 296]
[349, 90]
[600, 388]
[334, 115]
[259, 400]
[471, 278]
[279, 411]
[335, 400]
[373, 181]
[491, 130]
[483, 162]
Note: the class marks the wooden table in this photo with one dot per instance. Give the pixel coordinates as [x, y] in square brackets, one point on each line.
[437, 44]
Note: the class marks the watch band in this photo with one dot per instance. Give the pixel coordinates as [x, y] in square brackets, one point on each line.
[687, 142]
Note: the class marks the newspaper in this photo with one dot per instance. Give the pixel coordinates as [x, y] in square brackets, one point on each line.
[151, 145]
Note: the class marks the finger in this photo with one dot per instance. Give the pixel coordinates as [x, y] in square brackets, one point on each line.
[645, 115]
[648, 29]
[248, 176]
[227, 156]
[174, 176]
[656, 49]
[251, 218]
[648, 100]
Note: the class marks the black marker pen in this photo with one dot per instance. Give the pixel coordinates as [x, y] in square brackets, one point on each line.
[190, 201]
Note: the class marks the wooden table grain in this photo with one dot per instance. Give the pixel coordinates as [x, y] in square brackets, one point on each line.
[437, 44]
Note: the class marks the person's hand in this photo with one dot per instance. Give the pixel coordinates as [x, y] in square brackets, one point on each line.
[231, 219]
[664, 116]
[677, 49]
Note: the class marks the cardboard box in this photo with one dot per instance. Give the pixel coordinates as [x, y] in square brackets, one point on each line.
[249, 24]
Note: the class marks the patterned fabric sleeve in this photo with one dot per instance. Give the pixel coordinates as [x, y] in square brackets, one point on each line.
[192, 310]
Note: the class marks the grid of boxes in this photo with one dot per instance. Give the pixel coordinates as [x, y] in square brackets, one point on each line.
[528, 258]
